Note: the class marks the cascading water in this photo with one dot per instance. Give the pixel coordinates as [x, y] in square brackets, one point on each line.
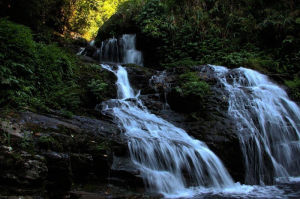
[109, 51]
[130, 54]
[159, 81]
[268, 124]
[120, 50]
[168, 159]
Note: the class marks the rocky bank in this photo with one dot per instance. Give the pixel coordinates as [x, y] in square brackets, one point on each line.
[50, 156]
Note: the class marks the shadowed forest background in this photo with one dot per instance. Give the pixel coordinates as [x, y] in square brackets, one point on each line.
[259, 34]
[44, 82]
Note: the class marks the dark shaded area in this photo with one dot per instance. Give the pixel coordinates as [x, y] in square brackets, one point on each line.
[262, 35]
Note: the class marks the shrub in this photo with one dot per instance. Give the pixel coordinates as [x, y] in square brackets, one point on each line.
[34, 74]
[97, 88]
[294, 87]
[191, 85]
[182, 63]
[17, 53]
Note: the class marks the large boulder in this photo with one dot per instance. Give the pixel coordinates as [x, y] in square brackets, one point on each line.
[47, 155]
[206, 120]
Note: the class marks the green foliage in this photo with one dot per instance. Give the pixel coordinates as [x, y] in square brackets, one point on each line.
[191, 85]
[27, 141]
[88, 15]
[66, 113]
[7, 139]
[294, 86]
[95, 84]
[17, 51]
[102, 146]
[48, 142]
[97, 88]
[33, 73]
[80, 17]
[256, 34]
[182, 63]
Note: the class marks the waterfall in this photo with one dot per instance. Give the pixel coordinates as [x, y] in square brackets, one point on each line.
[169, 160]
[130, 54]
[159, 80]
[268, 124]
[120, 50]
[109, 51]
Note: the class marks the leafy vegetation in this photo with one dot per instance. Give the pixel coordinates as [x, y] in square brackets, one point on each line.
[249, 33]
[294, 86]
[68, 17]
[43, 76]
[191, 84]
[257, 34]
[32, 73]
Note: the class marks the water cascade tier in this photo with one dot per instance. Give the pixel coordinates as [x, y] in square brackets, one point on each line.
[120, 50]
[267, 122]
[169, 160]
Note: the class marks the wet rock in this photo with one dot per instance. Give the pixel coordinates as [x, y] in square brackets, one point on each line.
[59, 178]
[207, 122]
[87, 59]
[139, 78]
[75, 150]
[82, 166]
[124, 173]
[91, 51]
[21, 172]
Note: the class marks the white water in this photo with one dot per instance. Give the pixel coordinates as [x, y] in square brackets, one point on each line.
[169, 160]
[268, 124]
[81, 50]
[120, 50]
[130, 53]
[109, 51]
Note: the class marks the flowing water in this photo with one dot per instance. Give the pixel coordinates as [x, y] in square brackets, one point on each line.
[169, 160]
[120, 50]
[176, 165]
[268, 125]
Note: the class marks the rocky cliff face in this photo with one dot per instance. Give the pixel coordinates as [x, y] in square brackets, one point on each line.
[53, 156]
[204, 120]
[49, 156]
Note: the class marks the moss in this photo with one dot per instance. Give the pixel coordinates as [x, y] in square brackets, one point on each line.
[191, 85]
[103, 146]
[178, 33]
[34, 74]
[66, 114]
[294, 88]
[41, 77]
[27, 142]
[48, 142]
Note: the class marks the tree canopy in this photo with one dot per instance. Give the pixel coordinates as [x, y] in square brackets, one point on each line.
[74, 17]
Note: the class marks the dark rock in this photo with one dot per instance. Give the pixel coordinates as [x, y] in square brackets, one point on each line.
[207, 122]
[21, 172]
[124, 173]
[75, 150]
[59, 178]
[87, 59]
[91, 51]
[82, 166]
[139, 78]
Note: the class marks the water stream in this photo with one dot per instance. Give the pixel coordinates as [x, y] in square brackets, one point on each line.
[268, 124]
[176, 165]
[169, 159]
[120, 50]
